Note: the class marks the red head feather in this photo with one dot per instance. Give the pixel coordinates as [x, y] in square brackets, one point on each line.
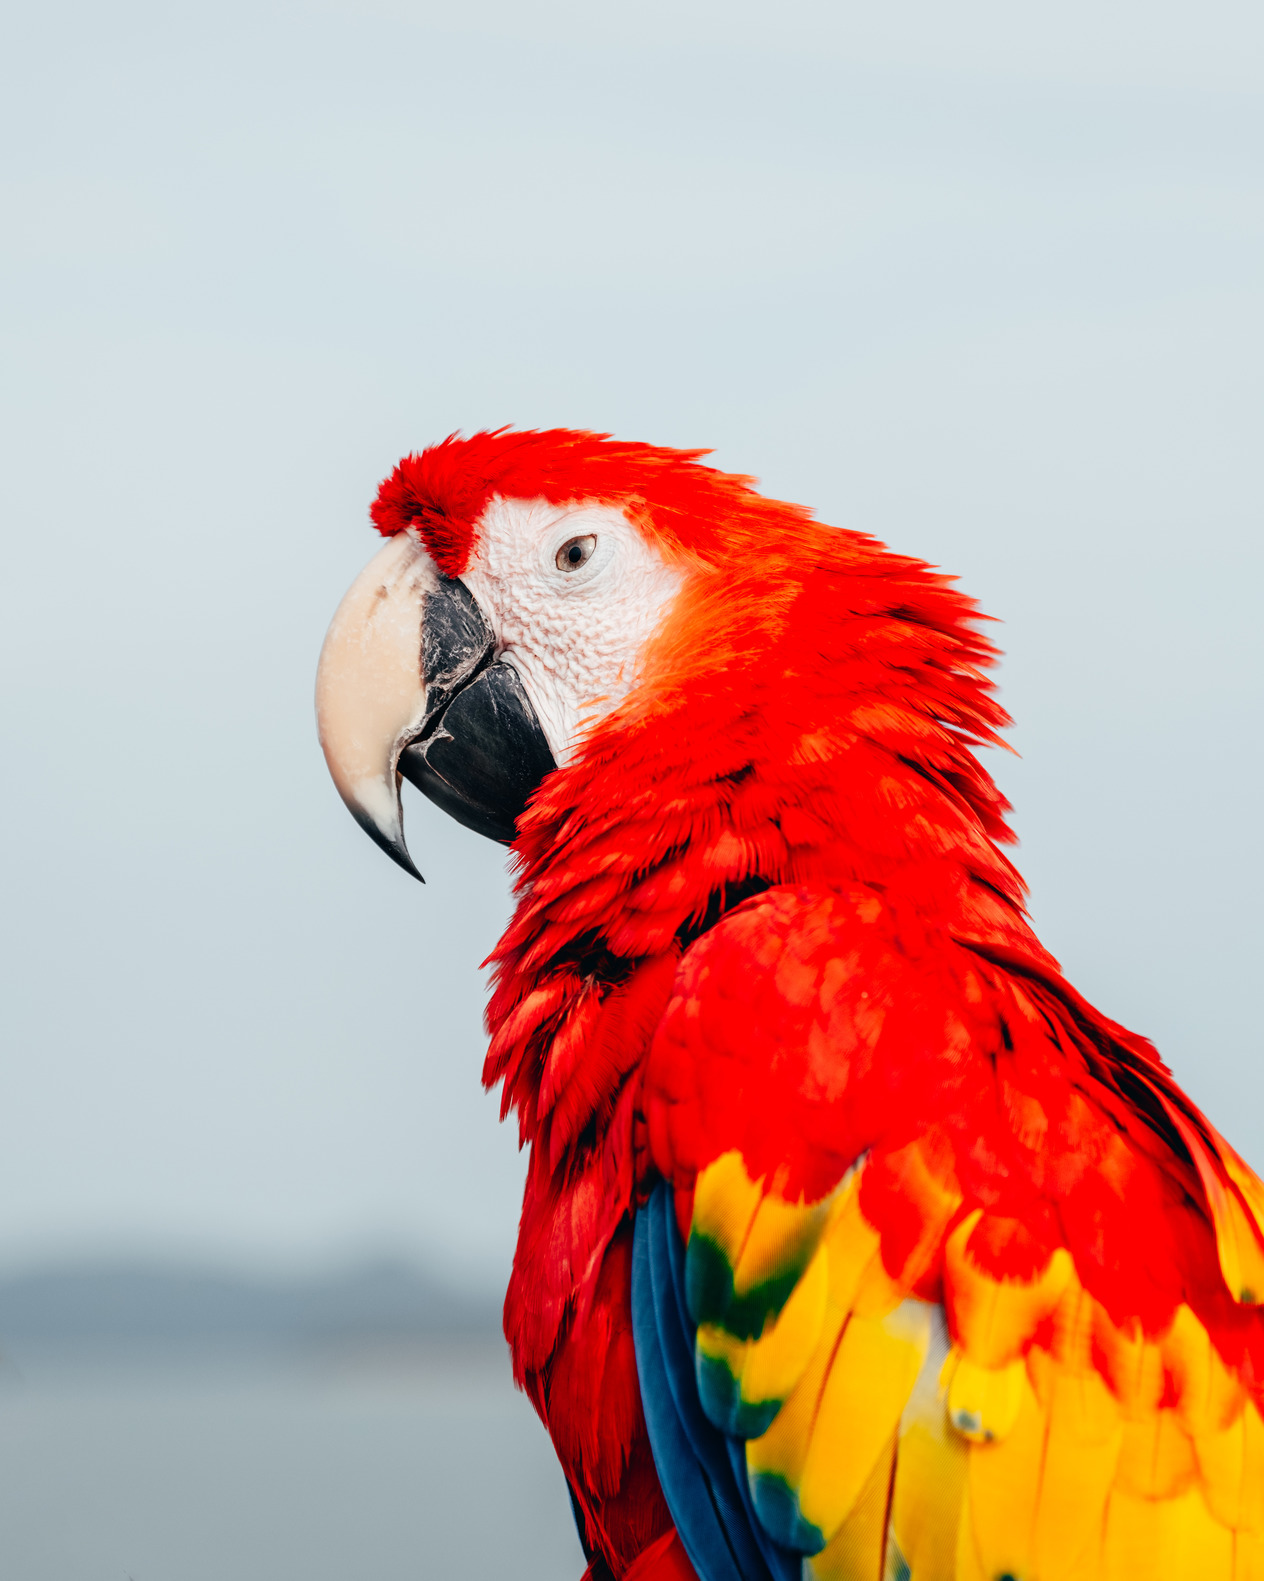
[444, 491]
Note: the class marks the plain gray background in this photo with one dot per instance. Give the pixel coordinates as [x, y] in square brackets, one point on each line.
[984, 280]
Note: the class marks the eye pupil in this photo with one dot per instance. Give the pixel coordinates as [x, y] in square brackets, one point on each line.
[574, 554]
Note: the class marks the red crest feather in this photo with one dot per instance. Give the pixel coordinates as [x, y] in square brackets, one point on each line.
[444, 491]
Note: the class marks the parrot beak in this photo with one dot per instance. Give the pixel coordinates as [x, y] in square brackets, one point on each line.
[408, 686]
[370, 695]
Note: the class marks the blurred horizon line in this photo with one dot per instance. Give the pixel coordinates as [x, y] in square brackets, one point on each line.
[164, 1309]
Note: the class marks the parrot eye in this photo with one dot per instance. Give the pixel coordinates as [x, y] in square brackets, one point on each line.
[576, 552]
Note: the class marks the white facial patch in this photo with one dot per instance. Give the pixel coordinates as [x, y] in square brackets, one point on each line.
[574, 633]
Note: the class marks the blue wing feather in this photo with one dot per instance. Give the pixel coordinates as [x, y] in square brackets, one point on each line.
[702, 1471]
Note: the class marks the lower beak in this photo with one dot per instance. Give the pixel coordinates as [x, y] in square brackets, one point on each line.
[408, 684]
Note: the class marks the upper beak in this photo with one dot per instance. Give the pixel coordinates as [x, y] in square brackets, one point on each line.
[408, 684]
[370, 692]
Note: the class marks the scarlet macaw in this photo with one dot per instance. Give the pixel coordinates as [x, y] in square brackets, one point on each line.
[855, 1243]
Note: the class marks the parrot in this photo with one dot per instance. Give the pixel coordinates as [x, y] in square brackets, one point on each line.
[855, 1243]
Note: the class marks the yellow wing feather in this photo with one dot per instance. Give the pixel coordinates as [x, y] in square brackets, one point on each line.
[1027, 1438]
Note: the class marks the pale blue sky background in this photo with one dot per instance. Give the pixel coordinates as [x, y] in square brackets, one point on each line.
[985, 280]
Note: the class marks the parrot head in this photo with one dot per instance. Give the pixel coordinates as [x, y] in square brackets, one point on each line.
[555, 606]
